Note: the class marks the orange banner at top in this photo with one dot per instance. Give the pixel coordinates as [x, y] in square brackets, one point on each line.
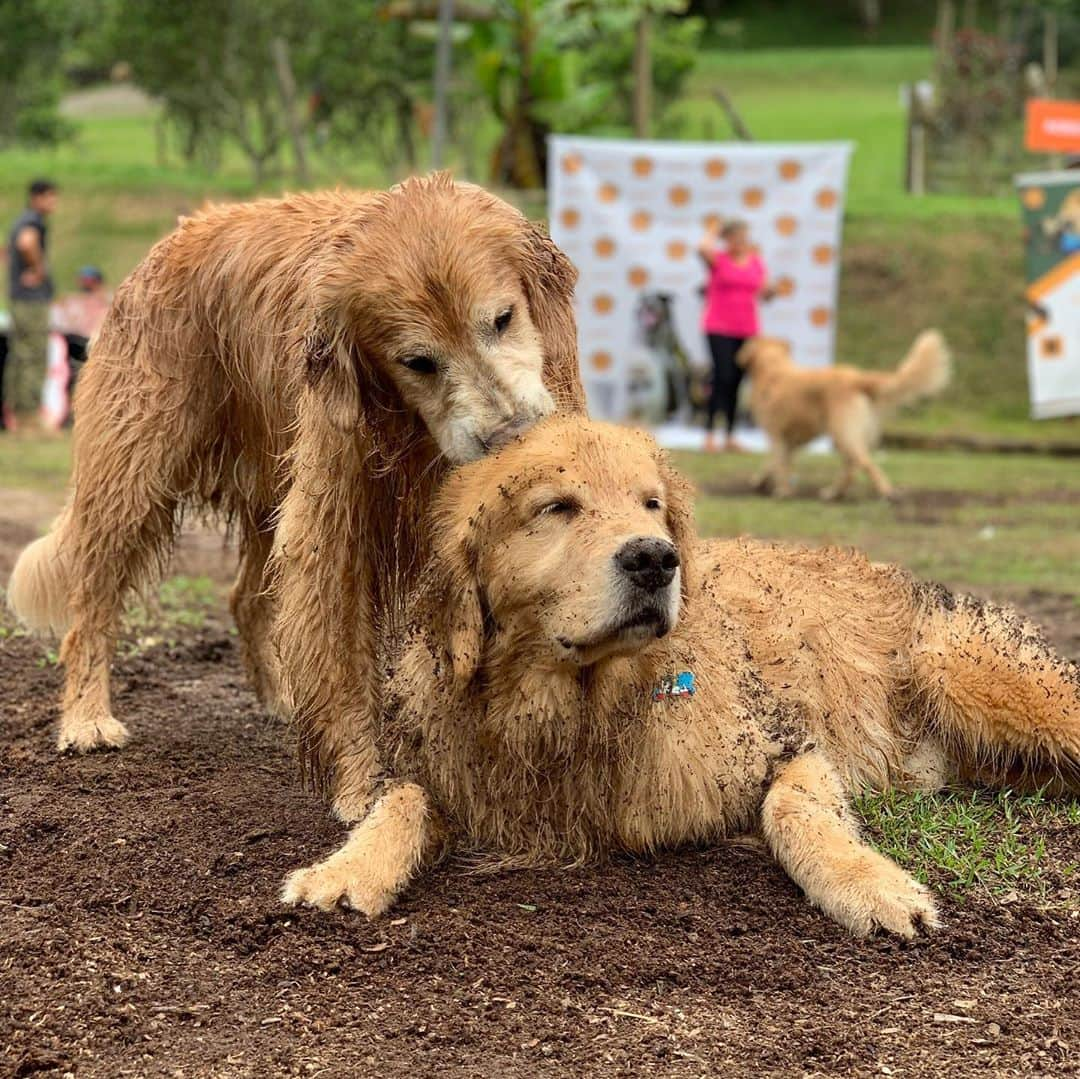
[1052, 125]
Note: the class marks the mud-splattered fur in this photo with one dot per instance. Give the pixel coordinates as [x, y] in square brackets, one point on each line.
[818, 673]
[237, 323]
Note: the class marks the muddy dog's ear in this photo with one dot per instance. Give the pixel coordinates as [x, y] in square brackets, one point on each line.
[454, 608]
[679, 503]
[548, 278]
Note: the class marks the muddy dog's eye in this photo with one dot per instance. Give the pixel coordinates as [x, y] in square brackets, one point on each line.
[562, 507]
[653, 503]
[502, 320]
[422, 365]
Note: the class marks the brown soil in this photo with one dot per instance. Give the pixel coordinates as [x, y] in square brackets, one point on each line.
[142, 935]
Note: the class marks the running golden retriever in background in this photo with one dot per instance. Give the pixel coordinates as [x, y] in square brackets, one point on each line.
[794, 406]
[584, 676]
[422, 324]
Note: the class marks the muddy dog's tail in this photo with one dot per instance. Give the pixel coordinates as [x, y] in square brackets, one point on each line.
[41, 582]
[993, 692]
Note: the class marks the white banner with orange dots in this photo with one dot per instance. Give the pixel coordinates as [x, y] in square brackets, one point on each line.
[630, 215]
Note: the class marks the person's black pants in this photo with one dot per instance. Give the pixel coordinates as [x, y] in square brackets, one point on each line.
[727, 376]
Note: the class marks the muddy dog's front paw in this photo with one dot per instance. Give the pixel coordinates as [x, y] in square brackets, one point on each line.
[377, 860]
[873, 894]
[346, 879]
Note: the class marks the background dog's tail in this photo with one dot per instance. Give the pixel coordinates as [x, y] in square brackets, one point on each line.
[924, 372]
[994, 693]
[41, 582]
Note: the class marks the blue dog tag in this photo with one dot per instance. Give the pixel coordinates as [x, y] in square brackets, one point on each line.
[682, 685]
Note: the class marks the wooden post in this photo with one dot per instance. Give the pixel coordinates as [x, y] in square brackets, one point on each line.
[1050, 49]
[287, 85]
[1050, 68]
[915, 164]
[442, 82]
[946, 24]
[642, 77]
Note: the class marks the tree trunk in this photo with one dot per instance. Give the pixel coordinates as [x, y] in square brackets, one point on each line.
[442, 82]
[643, 77]
[287, 85]
[943, 33]
[870, 13]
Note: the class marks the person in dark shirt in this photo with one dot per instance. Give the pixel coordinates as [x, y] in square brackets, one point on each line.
[31, 291]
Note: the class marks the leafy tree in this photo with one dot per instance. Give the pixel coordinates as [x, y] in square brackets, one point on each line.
[565, 65]
[31, 40]
[211, 64]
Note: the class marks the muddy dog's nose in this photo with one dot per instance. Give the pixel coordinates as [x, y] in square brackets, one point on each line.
[648, 562]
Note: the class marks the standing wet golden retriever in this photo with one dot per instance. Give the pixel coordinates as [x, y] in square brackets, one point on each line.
[422, 324]
[794, 406]
[584, 676]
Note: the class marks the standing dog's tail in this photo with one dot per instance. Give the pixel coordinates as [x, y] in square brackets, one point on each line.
[41, 581]
[924, 372]
[993, 692]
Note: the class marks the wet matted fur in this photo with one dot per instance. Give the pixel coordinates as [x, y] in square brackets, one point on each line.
[249, 321]
[794, 406]
[527, 715]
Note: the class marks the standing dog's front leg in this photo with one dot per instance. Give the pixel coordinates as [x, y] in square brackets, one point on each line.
[380, 857]
[809, 829]
[325, 628]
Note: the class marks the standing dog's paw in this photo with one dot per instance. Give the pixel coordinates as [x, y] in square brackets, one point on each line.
[338, 882]
[878, 895]
[83, 734]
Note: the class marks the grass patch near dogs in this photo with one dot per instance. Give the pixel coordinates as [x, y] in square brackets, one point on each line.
[34, 463]
[969, 520]
[996, 844]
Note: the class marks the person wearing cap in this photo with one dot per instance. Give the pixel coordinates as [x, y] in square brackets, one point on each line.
[30, 289]
[82, 312]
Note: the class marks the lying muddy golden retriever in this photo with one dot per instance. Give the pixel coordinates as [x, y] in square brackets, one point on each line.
[419, 325]
[794, 406]
[584, 676]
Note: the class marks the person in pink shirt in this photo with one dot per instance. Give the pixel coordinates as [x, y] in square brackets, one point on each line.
[737, 279]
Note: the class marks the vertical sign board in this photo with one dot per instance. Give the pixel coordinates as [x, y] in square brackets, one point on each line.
[630, 215]
[1051, 209]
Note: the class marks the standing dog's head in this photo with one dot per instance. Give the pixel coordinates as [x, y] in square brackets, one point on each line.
[444, 298]
[761, 356]
[570, 545]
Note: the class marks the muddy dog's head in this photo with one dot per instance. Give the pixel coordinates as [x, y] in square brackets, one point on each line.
[571, 545]
[442, 298]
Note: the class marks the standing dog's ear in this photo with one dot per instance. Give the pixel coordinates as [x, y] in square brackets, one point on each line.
[454, 607]
[332, 370]
[679, 502]
[548, 278]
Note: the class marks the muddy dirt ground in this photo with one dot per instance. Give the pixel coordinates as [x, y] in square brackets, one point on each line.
[141, 933]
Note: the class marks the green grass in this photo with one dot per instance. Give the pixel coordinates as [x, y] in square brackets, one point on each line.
[977, 843]
[34, 464]
[846, 94]
[981, 520]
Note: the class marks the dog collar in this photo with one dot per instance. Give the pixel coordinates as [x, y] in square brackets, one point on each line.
[679, 685]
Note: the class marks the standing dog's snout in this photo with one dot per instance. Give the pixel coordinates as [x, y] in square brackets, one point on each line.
[506, 432]
[650, 563]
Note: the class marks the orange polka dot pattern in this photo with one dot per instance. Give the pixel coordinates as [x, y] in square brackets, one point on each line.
[631, 216]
